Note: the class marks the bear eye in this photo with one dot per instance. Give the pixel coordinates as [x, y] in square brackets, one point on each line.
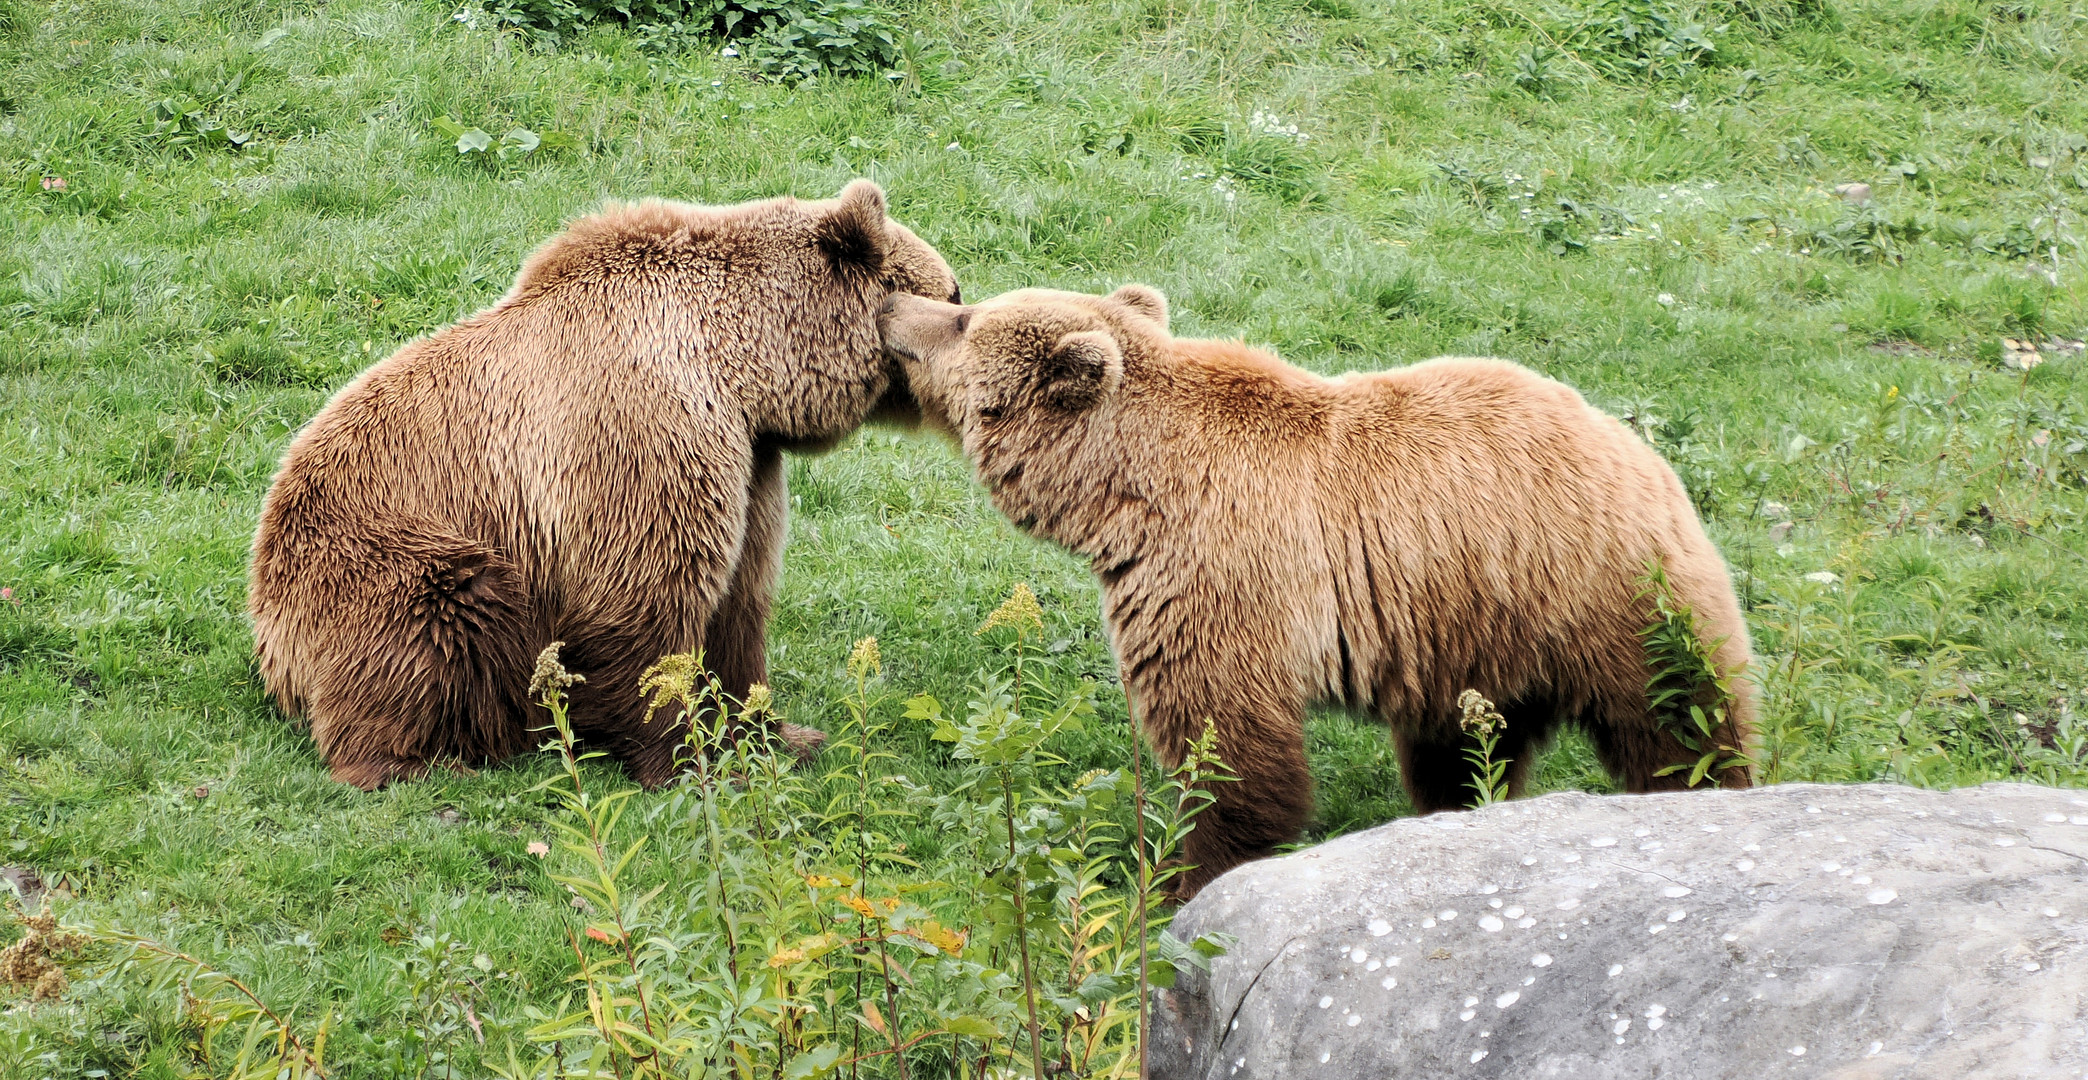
[963, 321]
[989, 412]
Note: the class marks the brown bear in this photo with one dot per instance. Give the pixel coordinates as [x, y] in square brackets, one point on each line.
[1268, 539]
[596, 458]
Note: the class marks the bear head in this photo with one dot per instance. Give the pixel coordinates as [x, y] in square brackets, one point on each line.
[1041, 388]
[779, 295]
[1037, 359]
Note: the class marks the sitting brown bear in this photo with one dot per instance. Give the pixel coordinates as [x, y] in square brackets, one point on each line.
[1268, 539]
[597, 458]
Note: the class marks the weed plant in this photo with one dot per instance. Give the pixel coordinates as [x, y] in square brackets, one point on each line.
[1479, 719]
[1689, 693]
[1355, 185]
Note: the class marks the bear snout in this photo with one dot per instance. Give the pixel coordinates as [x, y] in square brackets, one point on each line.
[900, 332]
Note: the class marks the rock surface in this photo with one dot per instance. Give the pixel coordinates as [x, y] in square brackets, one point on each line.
[1802, 930]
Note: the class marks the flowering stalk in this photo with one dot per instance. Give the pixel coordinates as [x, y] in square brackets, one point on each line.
[1483, 723]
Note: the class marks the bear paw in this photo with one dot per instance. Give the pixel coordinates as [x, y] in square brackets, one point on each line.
[802, 741]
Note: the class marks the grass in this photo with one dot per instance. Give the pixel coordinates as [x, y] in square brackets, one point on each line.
[1653, 223]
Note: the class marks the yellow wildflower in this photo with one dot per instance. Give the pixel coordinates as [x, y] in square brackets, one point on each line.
[670, 681]
[863, 661]
[1019, 610]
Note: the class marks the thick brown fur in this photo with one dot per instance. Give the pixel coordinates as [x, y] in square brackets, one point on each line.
[595, 459]
[1268, 539]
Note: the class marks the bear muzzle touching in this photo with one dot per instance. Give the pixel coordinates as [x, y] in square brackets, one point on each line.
[914, 326]
[913, 329]
[1268, 539]
[1073, 356]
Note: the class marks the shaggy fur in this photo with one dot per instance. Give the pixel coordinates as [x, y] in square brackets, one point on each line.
[597, 459]
[1268, 539]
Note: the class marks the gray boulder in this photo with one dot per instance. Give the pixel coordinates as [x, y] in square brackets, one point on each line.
[1802, 930]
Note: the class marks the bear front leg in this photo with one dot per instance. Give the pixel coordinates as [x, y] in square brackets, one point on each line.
[736, 639]
[1268, 802]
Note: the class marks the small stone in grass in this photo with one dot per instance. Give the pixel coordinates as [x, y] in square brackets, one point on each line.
[2020, 355]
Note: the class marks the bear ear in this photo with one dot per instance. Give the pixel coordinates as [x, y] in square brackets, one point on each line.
[1080, 370]
[853, 233]
[1145, 300]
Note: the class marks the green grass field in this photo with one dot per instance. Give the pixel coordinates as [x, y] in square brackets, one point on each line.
[1580, 187]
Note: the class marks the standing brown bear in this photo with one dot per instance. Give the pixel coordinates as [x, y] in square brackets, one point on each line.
[597, 458]
[1268, 539]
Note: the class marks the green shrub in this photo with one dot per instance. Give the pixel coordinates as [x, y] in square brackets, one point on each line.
[1640, 38]
[788, 39]
[799, 40]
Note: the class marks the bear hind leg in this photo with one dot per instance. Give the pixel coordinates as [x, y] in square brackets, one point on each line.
[371, 773]
[1436, 774]
[652, 764]
[435, 668]
[474, 613]
[1644, 756]
[1439, 772]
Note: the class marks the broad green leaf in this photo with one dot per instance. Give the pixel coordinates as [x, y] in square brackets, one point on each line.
[518, 142]
[813, 1063]
[977, 1027]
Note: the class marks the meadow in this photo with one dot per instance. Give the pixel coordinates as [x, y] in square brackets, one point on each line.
[1797, 243]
